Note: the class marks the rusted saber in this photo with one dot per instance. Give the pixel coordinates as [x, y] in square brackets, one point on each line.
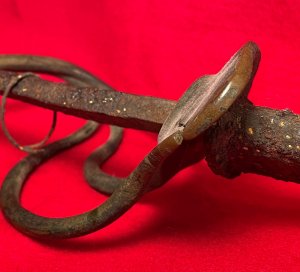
[213, 119]
[262, 140]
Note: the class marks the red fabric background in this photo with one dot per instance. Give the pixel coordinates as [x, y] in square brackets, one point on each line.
[198, 221]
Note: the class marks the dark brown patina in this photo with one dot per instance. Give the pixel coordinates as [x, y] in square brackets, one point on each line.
[213, 119]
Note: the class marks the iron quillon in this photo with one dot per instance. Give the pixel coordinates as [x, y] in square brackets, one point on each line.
[201, 106]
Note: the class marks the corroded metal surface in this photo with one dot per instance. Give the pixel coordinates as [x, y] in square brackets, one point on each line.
[92, 103]
[259, 140]
[213, 119]
[119, 202]
[212, 95]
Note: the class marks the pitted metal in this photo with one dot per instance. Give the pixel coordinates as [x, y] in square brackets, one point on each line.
[212, 120]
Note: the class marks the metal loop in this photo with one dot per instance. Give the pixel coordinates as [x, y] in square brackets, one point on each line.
[33, 148]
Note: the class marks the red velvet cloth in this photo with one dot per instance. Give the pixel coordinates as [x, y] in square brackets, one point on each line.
[198, 221]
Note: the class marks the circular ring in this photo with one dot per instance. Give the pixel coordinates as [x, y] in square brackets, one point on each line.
[33, 148]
